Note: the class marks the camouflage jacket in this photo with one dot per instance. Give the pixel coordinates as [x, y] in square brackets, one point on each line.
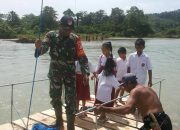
[65, 52]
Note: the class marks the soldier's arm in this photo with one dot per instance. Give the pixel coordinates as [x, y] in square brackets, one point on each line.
[42, 47]
[82, 58]
[45, 44]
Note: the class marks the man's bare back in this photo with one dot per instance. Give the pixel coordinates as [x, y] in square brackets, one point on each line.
[146, 100]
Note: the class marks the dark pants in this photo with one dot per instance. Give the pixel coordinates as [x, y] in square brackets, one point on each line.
[163, 121]
[56, 84]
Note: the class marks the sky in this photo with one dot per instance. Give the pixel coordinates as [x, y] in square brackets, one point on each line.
[22, 7]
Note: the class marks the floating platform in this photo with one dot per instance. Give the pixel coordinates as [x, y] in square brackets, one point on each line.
[47, 117]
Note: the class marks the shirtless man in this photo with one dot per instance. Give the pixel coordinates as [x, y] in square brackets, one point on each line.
[147, 102]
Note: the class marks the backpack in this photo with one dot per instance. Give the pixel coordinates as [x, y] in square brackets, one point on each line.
[40, 126]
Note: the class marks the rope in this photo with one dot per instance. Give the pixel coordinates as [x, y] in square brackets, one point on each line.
[105, 102]
[101, 105]
[22, 83]
[40, 25]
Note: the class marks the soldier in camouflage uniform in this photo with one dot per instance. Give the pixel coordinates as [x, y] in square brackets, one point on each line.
[65, 48]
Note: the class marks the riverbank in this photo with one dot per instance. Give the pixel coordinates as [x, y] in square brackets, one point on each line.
[85, 38]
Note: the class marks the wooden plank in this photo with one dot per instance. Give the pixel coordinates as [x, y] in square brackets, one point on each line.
[88, 125]
[126, 121]
[49, 112]
[117, 118]
[116, 122]
[79, 123]
[109, 124]
[9, 126]
[129, 121]
[135, 116]
[45, 119]
[122, 120]
[21, 124]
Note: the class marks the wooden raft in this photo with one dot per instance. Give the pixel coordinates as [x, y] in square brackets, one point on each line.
[116, 122]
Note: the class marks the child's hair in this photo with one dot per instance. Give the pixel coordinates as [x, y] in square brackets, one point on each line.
[122, 50]
[109, 67]
[108, 45]
[140, 41]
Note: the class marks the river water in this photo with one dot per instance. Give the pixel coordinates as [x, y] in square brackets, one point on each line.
[17, 65]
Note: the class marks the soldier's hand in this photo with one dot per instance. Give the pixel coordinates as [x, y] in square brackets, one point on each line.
[150, 83]
[92, 77]
[38, 44]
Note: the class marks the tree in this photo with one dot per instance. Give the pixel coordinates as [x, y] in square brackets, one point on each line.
[69, 12]
[13, 19]
[116, 19]
[136, 24]
[99, 17]
[6, 31]
[49, 17]
[30, 22]
[2, 16]
[88, 19]
[79, 17]
[117, 16]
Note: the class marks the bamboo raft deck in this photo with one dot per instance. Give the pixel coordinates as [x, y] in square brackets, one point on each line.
[47, 117]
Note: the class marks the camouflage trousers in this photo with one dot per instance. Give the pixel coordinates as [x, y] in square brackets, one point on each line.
[56, 84]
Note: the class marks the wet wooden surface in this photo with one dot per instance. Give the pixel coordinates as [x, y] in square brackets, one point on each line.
[115, 122]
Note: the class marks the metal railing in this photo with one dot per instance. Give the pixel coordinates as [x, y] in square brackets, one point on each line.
[13, 107]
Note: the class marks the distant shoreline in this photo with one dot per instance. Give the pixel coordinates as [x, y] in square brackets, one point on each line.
[105, 39]
[129, 38]
[15, 39]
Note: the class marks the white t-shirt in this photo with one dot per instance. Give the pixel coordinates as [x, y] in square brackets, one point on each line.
[121, 67]
[105, 85]
[78, 67]
[139, 65]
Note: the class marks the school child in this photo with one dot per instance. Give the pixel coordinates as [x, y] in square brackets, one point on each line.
[106, 53]
[82, 89]
[106, 81]
[139, 63]
[121, 67]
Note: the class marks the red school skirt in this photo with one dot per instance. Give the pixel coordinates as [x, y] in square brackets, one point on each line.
[82, 91]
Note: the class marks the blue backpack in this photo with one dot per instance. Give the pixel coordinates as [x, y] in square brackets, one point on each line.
[40, 126]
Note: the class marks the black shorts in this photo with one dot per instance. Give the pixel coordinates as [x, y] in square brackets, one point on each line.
[111, 104]
[163, 120]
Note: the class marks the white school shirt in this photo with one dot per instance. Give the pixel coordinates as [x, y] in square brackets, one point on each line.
[78, 67]
[121, 67]
[139, 65]
[102, 61]
[105, 85]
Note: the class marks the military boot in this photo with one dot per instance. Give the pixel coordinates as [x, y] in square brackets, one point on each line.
[59, 119]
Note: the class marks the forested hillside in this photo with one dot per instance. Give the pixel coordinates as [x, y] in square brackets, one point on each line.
[132, 23]
[166, 24]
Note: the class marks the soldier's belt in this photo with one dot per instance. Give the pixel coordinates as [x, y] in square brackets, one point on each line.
[62, 62]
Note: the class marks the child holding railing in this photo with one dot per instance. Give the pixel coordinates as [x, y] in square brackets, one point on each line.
[106, 81]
